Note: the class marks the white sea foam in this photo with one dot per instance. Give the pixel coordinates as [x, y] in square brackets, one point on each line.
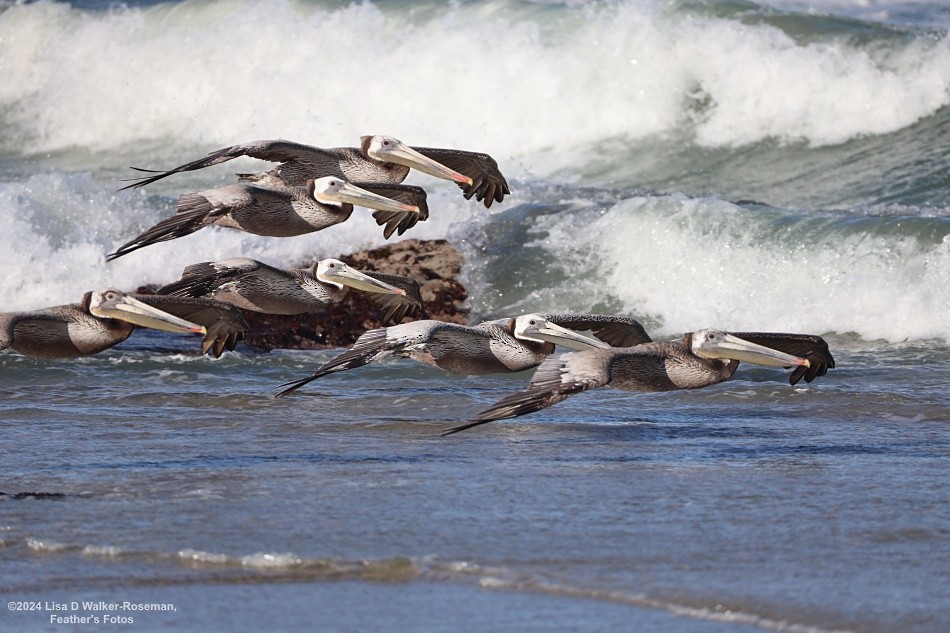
[47, 546]
[692, 263]
[262, 560]
[498, 75]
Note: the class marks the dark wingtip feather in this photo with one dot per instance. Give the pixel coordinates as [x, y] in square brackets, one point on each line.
[462, 427]
[294, 385]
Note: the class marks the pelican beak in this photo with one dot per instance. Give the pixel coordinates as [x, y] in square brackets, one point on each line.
[405, 155]
[346, 276]
[134, 311]
[735, 348]
[362, 198]
[539, 329]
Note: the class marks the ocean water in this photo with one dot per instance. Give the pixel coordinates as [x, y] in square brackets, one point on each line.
[781, 166]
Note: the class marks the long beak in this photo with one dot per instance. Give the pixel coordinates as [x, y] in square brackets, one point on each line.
[134, 311]
[735, 348]
[363, 198]
[355, 279]
[405, 155]
[547, 331]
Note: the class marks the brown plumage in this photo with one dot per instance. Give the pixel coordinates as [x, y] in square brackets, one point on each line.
[269, 208]
[105, 318]
[699, 359]
[256, 286]
[379, 160]
[505, 345]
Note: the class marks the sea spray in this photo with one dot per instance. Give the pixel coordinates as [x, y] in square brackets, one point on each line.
[516, 79]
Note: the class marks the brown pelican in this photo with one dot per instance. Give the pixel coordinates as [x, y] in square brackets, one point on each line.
[253, 285]
[272, 210]
[401, 220]
[379, 160]
[699, 359]
[105, 318]
[505, 345]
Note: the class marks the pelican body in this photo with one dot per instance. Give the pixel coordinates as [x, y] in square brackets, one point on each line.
[501, 346]
[267, 208]
[699, 359]
[256, 286]
[393, 220]
[102, 319]
[379, 160]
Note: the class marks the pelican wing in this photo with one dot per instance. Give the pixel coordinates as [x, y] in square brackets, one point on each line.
[395, 220]
[197, 210]
[807, 346]
[7, 325]
[48, 321]
[225, 323]
[371, 345]
[394, 307]
[198, 280]
[277, 150]
[556, 379]
[374, 345]
[488, 183]
[616, 331]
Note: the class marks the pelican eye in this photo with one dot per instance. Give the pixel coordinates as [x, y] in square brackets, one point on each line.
[532, 322]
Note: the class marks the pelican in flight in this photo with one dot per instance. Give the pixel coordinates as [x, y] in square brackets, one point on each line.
[699, 359]
[379, 159]
[505, 345]
[271, 210]
[105, 318]
[253, 285]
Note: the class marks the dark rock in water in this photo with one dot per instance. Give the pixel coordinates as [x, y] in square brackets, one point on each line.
[435, 264]
[32, 495]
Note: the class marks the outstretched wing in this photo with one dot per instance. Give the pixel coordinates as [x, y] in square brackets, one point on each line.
[616, 331]
[807, 346]
[488, 184]
[394, 307]
[374, 345]
[7, 325]
[398, 220]
[198, 280]
[277, 150]
[368, 347]
[224, 323]
[46, 333]
[556, 379]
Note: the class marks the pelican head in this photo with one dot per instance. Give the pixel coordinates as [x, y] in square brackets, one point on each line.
[115, 304]
[531, 327]
[333, 190]
[718, 344]
[336, 273]
[387, 149]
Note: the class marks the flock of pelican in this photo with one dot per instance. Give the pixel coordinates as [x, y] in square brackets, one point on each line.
[313, 188]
